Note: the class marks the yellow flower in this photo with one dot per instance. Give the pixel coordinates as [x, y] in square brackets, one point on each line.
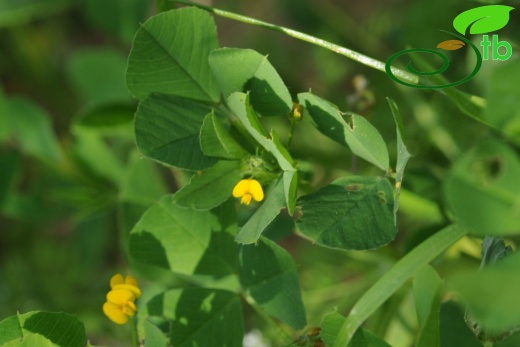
[120, 304]
[248, 189]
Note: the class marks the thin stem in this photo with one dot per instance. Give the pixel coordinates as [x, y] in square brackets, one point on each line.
[133, 329]
[360, 58]
[291, 133]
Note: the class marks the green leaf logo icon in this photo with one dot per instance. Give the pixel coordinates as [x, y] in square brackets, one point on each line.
[483, 19]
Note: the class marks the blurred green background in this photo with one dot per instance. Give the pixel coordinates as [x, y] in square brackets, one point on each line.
[72, 182]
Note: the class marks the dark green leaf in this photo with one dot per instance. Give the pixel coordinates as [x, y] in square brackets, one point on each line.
[331, 324]
[363, 139]
[167, 129]
[61, 329]
[493, 250]
[353, 212]
[244, 70]
[266, 213]
[483, 189]
[482, 19]
[270, 276]
[185, 241]
[170, 56]
[201, 316]
[215, 140]
[210, 187]
[10, 164]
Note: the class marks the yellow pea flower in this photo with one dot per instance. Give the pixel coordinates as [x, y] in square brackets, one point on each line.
[128, 283]
[248, 189]
[120, 304]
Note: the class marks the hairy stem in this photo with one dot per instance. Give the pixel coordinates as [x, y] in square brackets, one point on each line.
[360, 58]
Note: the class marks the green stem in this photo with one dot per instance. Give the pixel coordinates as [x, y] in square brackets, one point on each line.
[133, 329]
[360, 58]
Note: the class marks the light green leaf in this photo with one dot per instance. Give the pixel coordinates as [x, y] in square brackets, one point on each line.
[394, 278]
[354, 212]
[244, 70]
[30, 340]
[402, 153]
[427, 285]
[215, 140]
[185, 241]
[239, 104]
[264, 215]
[491, 294]
[18, 12]
[201, 316]
[153, 336]
[482, 19]
[108, 119]
[503, 111]
[60, 328]
[120, 18]
[31, 128]
[363, 139]
[483, 191]
[170, 56]
[209, 188]
[99, 75]
[269, 275]
[167, 129]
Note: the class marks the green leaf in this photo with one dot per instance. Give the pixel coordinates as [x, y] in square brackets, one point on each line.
[201, 316]
[31, 128]
[31, 341]
[167, 129]
[153, 336]
[427, 290]
[503, 110]
[185, 241]
[239, 104]
[331, 324]
[363, 139]
[210, 187]
[482, 189]
[107, 119]
[354, 212]
[493, 250]
[394, 278]
[120, 18]
[92, 150]
[170, 56]
[264, 215]
[59, 328]
[270, 276]
[215, 140]
[402, 153]
[482, 19]
[491, 294]
[453, 329]
[17, 12]
[244, 70]
[99, 75]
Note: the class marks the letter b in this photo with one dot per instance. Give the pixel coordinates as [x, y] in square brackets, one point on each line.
[496, 46]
